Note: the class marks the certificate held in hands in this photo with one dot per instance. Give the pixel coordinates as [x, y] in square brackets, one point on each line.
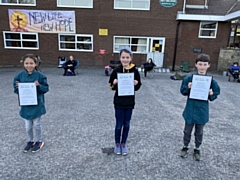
[200, 87]
[125, 84]
[27, 93]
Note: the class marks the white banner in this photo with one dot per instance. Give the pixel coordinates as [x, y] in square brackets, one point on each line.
[42, 21]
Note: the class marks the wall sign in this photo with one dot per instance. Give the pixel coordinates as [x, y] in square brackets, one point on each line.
[168, 3]
[197, 50]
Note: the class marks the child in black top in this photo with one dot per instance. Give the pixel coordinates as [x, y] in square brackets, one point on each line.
[123, 104]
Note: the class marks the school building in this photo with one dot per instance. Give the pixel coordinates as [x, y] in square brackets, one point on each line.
[169, 31]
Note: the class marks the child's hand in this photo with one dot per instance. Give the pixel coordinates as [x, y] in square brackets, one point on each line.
[115, 81]
[210, 92]
[17, 84]
[37, 83]
[135, 82]
[189, 85]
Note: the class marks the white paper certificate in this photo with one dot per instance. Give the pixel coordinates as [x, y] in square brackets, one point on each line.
[27, 93]
[200, 87]
[125, 84]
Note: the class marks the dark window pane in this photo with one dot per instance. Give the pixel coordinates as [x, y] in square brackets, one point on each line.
[86, 39]
[209, 25]
[29, 44]
[67, 38]
[13, 43]
[29, 36]
[12, 36]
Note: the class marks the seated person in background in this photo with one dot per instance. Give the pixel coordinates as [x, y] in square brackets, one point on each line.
[148, 66]
[234, 70]
[69, 66]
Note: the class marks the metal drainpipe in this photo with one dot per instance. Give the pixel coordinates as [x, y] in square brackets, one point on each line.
[175, 47]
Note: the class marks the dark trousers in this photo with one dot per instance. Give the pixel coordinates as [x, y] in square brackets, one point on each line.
[198, 134]
[147, 69]
[71, 68]
[123, 117]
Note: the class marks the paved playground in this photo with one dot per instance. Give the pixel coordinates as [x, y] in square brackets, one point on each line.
[78, 131]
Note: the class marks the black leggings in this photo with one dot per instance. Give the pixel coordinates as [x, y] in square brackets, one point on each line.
[147, 69]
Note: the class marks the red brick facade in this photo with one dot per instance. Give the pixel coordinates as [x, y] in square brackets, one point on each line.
[158, 22]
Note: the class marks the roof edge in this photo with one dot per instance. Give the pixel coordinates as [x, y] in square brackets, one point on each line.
[201, 17]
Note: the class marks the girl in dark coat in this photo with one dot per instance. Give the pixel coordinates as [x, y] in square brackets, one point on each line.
[123, 104]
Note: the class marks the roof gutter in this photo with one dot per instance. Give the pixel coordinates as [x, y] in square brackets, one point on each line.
[200, 17]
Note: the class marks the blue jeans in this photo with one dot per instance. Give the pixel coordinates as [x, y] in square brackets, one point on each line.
[123, 117]
[31, 125]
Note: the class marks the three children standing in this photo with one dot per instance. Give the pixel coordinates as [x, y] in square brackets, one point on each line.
[195, 114]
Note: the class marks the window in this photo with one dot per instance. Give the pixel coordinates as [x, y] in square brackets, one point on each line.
[20, 40]
[132, 4]
[208, 30]
[234, 39]
[137, 44]
[18, 2]
[76, 42]
[75, 3]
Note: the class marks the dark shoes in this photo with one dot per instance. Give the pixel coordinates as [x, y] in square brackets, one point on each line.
[28, 147]
[37, 146]
[184, 152]
[196, 154]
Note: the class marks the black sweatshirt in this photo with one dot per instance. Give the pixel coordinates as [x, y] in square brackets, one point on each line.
[124, 101]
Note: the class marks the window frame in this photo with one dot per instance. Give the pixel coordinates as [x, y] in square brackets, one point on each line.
[208, 29]
[17, 4]
[90, 7]
[131, 8]
[75, 42]
[148, 45]
[21, 40]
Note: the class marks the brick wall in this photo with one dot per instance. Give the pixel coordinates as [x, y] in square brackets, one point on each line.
[158, 22]
[188, 39]
[196, 2]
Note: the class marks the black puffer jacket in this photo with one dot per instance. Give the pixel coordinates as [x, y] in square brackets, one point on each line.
[124, 101]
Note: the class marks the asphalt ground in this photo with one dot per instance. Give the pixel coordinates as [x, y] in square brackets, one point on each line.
[78, 131]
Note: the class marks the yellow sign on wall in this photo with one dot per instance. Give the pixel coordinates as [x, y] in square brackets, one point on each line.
[103, 32]
[156, 45]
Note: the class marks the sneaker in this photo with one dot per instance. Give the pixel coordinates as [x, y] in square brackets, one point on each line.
[117, 149]
[184, 152]
[29, 146]
[37, 146]
[124, 149]
[196, 154]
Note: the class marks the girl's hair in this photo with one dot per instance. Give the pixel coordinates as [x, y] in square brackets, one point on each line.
[125, 49]
[203, 58]
[150, 59]
[31, 56]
